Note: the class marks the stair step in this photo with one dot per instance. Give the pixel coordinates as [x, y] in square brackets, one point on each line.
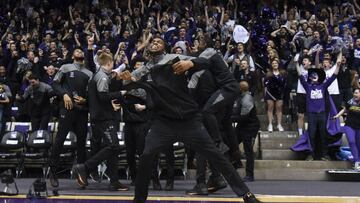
[276, 154]
[285, 135]
[275, 144]
[290, 169]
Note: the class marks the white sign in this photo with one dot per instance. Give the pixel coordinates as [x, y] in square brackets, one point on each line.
[67, 143]
[240, 34]
[12, 142]
[42, 141]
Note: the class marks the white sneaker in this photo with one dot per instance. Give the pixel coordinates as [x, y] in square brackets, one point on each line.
[357, 166]
[270, 128]
[280, 128]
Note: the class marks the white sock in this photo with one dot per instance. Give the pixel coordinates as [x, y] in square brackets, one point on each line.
[300, 130]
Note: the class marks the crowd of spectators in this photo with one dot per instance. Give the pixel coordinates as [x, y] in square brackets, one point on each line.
[38, 36]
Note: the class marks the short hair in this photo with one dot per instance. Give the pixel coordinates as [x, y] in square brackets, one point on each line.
[244, 86]
[33, 77]
[105, 58]
[307, 57]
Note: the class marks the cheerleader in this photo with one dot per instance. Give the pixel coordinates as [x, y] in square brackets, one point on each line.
[274, 93]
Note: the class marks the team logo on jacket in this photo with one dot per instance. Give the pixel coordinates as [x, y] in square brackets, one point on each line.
[316, 94]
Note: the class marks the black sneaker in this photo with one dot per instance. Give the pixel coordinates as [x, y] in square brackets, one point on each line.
[95, 177]
[80, 174]
[117, 186]
[250, 198]
[156, 184]
[199, 189]
[53, 178]
[215, 184]
[169, 185]
[248, 179]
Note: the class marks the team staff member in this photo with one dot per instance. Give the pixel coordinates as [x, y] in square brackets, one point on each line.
[176, 117]
[70, 84]
[103, 126]
[247, 126]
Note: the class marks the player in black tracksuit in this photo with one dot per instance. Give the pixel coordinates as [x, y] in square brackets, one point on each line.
[136, 128]
[217, 111]
[70, 84]
[176, 118]
[102, 117]
[202, 86]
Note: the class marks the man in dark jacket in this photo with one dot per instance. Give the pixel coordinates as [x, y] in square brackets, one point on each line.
[39, 95]
[176, 117]
[70, 84]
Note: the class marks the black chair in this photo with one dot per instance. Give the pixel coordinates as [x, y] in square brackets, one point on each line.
[36, 151]
[68, 154]
[11, 148]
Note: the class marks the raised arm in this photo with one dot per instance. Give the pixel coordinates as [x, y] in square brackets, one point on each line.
[206, 15]
[338, 62]
[158, 22]
[71, 16]
[129, 8]
[274, 33]
[222, 16]
[142, 7]
[296, 60]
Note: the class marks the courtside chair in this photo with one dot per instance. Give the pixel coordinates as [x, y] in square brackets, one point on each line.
[37, 148]
[11, 148]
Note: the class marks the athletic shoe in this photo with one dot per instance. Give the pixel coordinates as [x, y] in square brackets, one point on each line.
[280, 128]
[80, 174]
[215, 184]
[117, 186]
[53, 178]
[250, 198]
[169, 185]
[309, 158]
[357, 166]
[199, 189]
[156, 184]
[270, 128]
[248, 179]
[95, 177]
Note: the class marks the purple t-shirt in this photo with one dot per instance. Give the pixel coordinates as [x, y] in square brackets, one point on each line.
[315, 94]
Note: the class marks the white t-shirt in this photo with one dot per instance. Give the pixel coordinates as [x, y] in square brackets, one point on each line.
[333, 89]
[304, 73]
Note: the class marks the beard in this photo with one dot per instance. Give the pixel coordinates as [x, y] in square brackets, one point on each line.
[156, 52]
[79, 58]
